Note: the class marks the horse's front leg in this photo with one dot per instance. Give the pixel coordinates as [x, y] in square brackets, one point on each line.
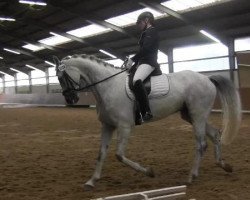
[107, 132]
[123, 135]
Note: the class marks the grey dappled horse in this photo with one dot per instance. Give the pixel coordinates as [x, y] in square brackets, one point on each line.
[191, 93]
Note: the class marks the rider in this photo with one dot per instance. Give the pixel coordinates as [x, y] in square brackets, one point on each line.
[145, 61]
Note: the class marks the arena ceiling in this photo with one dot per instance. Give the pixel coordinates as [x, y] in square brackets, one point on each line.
[225, 19]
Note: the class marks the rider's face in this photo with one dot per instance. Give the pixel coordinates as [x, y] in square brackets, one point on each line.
[141, 24]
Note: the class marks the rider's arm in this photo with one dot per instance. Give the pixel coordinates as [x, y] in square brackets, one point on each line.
[149, 41]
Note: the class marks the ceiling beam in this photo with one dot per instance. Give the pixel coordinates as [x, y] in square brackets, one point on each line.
[111, 26]
[237, 31]
[23, 70]
[28, 41]
[160, 8]
[22, 52]
[7, 70]
[51, 28]
[92, 19]
[61, 32]
[21, 66]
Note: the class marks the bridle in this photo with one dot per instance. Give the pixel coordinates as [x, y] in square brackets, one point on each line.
[70, 82]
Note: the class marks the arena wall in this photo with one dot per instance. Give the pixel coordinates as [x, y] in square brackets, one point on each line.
[41, 95]
[243, 59]
[51, 94]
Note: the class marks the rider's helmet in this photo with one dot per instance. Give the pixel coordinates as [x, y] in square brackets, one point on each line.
[145, 15]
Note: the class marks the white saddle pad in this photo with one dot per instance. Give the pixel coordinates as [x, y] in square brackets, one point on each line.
[159, 87]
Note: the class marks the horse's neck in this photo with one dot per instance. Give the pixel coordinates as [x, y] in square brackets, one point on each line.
[102, 90]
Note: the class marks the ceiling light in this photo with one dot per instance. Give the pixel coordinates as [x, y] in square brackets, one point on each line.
[15, 70]
[55, 34]
[130, 18]
[12, 51]
[107, 53]
[40, 3]
[88, 31]
[3, 73]
[1, 57]
[55, 40]
[33, 47]
[7, 19]
[210, 36]
[31, 67]
[50, 63]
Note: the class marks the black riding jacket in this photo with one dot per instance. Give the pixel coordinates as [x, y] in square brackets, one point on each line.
[149, 45]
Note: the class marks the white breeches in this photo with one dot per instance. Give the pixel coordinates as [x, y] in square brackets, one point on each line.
[142, 72]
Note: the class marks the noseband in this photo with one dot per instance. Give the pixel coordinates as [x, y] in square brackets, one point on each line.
[70, 84]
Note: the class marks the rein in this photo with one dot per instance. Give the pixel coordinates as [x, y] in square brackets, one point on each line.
[67, 77]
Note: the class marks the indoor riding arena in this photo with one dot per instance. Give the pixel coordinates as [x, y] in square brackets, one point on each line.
[49, 147]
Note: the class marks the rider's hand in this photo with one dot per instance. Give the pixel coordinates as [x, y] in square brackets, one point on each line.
[129, 63]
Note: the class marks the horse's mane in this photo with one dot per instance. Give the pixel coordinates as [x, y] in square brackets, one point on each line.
[91, 58]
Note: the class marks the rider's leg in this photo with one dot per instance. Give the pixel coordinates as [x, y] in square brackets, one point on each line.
[142, 72]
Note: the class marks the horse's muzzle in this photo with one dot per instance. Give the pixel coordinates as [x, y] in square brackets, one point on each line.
[71, 97]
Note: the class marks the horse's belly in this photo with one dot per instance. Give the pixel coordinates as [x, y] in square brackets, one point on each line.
[165, 106]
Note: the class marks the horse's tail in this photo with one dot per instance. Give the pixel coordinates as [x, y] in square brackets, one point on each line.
[231, 107]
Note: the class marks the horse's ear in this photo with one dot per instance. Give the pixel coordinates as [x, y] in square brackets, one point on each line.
[56, 61]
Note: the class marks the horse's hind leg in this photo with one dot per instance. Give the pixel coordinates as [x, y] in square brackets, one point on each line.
[214, 136]
[201, 145]
[123, 135]
[107, 132]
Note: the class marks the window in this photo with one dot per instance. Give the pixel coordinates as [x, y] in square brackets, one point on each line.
[1, 82]
[38, 77]
[9, 81]
[164, 68]
[22, 79]
[200, 51]
[52, 76]
[162, 58]
[201, 57]
[242, 44]
[203, 65]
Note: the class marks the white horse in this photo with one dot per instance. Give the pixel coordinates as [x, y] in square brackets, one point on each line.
[191, 93]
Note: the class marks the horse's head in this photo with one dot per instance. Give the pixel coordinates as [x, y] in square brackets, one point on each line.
[69, 79]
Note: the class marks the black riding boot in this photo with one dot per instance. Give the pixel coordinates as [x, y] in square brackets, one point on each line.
[142, 97]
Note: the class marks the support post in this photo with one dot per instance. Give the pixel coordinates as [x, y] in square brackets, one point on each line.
[30, 82]
[170, 60]
[47, 79]
[231, 54]
[15, 83]
[3, 78]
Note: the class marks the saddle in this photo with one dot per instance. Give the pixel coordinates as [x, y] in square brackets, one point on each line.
[156, 87]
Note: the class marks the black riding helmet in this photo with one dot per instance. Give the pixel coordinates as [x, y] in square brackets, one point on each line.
[145, 15]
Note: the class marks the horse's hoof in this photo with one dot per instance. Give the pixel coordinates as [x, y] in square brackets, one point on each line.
[191, 179]
[87, 187]
[228, 168]
[150, 172]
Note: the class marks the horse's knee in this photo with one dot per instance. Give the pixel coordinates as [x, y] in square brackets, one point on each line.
[202, 148]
